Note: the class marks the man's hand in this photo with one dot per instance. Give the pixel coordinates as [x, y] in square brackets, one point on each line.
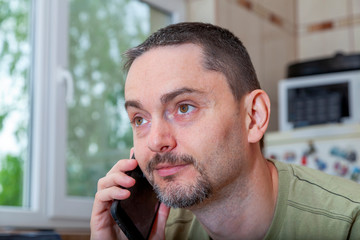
[111, 187]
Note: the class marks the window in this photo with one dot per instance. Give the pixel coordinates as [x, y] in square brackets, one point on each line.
[72, 127]
[98, 129]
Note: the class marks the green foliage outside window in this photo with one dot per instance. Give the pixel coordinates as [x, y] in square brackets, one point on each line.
[11, 179]
[99, 133]
[14, 68]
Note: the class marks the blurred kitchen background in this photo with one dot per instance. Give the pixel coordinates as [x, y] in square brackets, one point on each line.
[277, 33]
[307, 57]
[62, 122]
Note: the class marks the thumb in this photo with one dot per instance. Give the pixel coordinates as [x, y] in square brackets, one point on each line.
[158, 229]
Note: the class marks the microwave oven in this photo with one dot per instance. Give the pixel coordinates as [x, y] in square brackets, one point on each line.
[319, 99]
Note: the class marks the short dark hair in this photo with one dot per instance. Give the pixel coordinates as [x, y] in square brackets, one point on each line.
[223, 52]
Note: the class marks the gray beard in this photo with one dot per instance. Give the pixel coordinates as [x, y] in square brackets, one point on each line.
[177, 195]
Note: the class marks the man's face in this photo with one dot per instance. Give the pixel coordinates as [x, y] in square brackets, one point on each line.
[188, 128]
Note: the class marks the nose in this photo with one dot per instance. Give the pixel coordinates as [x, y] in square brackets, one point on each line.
[161, 138]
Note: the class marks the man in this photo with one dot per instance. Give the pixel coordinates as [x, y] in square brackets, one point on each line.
[198, 117]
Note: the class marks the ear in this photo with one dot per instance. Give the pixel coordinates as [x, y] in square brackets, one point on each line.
[257, 107]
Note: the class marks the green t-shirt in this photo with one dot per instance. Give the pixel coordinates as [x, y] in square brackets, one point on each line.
[310, 205]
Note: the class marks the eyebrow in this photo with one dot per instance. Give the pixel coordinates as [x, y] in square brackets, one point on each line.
[133, 103]
[164, 98]
[171, 95]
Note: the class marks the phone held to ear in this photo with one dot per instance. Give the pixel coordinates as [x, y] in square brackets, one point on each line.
[136, 214]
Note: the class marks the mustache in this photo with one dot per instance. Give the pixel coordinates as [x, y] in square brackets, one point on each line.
[169, 158]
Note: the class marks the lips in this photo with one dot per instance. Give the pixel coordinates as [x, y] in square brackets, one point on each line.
[167, 170]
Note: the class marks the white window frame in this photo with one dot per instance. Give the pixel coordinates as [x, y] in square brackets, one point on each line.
[50, 207]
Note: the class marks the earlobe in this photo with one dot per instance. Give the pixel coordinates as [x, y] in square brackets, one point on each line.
[257, 105]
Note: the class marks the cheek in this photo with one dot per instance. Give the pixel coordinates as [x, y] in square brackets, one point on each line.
[218, 132]
[140, 151]
[222, 142]
[206, 142]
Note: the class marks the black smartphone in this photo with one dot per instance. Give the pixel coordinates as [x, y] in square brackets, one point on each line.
[136, 214]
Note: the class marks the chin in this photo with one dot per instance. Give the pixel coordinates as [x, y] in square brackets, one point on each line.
[178, 194]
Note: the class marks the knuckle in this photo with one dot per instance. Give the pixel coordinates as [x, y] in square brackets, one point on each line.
[98, 195]
[100, 183]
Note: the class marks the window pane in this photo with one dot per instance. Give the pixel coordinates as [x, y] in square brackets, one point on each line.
[99, 132]
[14, 100]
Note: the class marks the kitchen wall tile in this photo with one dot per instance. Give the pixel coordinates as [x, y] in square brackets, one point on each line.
[223, 11]
[206, 14]
[357, 38]
[310, 11]
[355, 4]
[324, 44]
[286, 9]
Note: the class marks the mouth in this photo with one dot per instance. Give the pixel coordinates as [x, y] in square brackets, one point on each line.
[168, 170]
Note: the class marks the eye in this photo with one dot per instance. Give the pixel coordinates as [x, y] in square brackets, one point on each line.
[185, 108]
[138, 121]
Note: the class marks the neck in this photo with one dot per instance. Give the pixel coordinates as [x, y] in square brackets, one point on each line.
[245, 208]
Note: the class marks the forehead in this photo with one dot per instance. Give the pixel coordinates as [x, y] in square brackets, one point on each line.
[162, 69]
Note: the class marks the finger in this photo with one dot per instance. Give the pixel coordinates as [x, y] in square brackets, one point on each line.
[116, 179]
[158, 229]
[111, 193]
[104, 198]
[123, 165]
